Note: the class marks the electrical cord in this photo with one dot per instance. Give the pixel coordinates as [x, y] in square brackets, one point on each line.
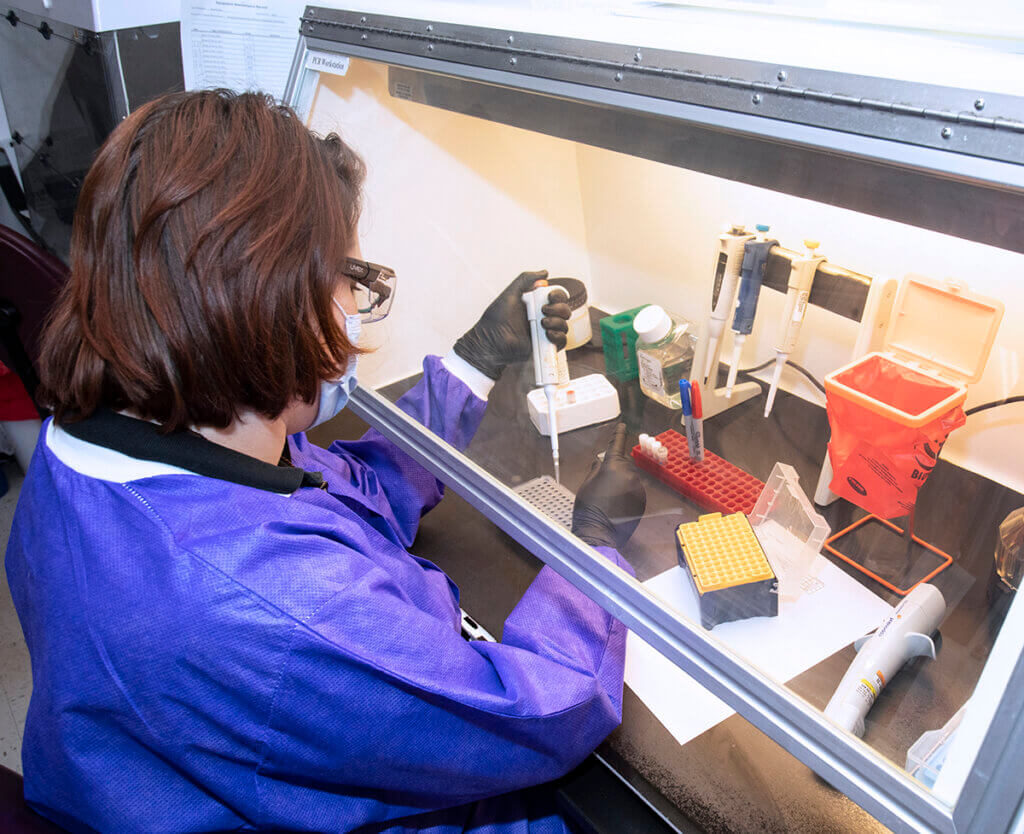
[793, 365]
[1017, 398]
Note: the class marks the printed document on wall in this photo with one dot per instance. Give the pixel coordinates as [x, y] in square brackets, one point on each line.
[239, 44]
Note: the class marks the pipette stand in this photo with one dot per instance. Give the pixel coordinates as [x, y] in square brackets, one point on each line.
[712, 397]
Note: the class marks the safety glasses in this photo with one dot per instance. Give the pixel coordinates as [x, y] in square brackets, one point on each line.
[374, 290]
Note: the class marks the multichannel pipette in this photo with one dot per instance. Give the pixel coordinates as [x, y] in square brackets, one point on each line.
[906, 633]
[801, 278]
[730, 250]
[755, 260]
[550, 368]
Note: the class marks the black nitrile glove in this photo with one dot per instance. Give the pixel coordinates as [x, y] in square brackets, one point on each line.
[612, 500]
[502, 336]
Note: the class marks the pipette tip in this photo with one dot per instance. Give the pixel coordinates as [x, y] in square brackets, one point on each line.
[706, 378]
[733, 367]
[558, 467]
[780, 361]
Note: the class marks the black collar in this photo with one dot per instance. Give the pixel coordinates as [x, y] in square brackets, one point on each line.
[188, 450]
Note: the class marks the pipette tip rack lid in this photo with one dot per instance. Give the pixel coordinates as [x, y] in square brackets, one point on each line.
[728, 569]
[713, 483]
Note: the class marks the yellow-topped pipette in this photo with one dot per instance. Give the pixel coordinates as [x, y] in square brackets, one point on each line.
[801, 279]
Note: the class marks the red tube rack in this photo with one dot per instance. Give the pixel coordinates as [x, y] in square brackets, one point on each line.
[713, 483]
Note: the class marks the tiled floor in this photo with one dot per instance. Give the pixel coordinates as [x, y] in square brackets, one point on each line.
[15, 675]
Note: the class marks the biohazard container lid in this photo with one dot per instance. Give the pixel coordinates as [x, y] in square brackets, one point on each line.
[938, 340]
[943, 326]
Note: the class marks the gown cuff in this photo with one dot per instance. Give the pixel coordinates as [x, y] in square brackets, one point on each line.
[476, 380]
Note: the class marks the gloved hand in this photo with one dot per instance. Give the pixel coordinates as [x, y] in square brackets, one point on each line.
[612, 500]
[502, 336]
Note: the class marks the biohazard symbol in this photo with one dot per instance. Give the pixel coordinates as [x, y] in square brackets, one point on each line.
[856, 485]
[926, 457]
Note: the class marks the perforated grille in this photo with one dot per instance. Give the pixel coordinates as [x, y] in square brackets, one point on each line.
[550, 497]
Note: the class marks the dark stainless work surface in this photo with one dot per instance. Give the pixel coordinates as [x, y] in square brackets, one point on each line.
[733, 778]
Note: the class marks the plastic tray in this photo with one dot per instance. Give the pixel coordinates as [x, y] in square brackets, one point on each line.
[713, 483]
[790, 530]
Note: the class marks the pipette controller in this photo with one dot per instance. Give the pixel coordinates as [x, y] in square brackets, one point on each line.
[550, 368]
[904, 634]
[755, 261]
[801, 279]
[730, 251]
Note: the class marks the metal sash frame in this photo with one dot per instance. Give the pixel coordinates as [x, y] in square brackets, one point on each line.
[909, 152]
[992, 798]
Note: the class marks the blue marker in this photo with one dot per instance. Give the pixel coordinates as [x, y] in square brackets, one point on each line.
[755, 260]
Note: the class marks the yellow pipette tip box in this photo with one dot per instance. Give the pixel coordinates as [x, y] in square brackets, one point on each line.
[728, 568]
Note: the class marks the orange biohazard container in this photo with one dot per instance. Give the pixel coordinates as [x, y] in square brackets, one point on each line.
[891, 411]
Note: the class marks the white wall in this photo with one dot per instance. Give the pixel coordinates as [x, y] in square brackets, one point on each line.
[651, 230]
[104, 15]
[457, 206]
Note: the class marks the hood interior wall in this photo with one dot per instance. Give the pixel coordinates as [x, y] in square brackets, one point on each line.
[459, 205]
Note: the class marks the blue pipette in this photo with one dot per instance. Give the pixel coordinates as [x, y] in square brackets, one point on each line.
[755, 260]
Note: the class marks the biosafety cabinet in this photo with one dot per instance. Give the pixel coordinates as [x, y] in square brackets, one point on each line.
[70, 70]
[635, 152]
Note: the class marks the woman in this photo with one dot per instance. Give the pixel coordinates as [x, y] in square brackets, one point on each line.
[226, 628]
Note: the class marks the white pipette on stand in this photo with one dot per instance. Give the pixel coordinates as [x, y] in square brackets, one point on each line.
[730, 248]
[801, 279]
[550, 367]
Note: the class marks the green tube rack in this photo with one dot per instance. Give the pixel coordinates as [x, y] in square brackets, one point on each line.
[618, 340]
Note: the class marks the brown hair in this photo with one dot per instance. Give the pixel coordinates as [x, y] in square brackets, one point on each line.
[206, 248]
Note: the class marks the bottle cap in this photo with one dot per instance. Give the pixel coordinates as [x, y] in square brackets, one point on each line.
[763, 227]
[652, 324]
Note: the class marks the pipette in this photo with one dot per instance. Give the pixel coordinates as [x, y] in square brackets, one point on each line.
[550, 368]
[755, 259]
[730, 250]
[801, 278]
[904, 634]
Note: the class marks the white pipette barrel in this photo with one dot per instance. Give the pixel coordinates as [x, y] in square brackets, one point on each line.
[737, 351]
[801, 279]
[730, 246]
[548, 368]
[904, 634]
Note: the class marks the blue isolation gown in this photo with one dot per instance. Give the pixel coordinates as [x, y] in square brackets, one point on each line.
[211, 655]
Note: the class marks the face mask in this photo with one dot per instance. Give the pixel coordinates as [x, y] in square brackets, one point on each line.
[334, 393]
